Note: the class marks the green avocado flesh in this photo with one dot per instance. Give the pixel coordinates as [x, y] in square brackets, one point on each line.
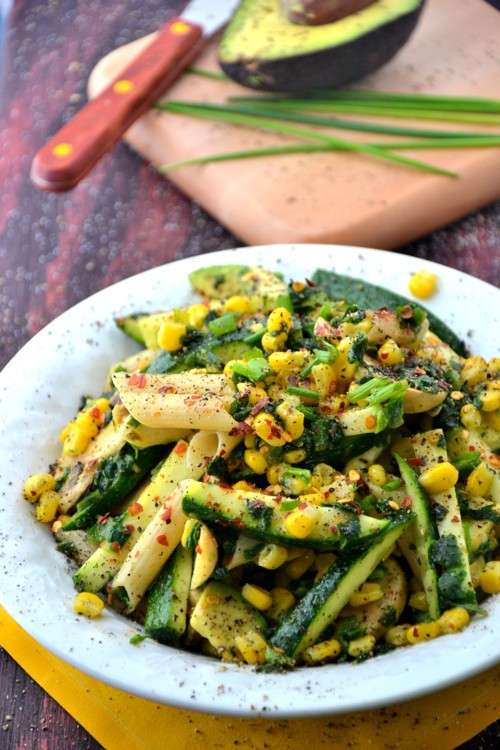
[261, 48]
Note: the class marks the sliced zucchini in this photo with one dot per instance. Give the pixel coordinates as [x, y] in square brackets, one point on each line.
[221, 615]
[420, 536]
[129, 324]
[245, 551]
[259, 515]
[375, 618]
[74, 544]
[450, 550]
[321, 605]
[166, 609]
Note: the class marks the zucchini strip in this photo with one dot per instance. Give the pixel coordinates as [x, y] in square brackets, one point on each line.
[259, 515]
[320, 606]
[166, 612]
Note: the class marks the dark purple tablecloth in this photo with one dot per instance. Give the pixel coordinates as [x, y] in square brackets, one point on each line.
[57, 249]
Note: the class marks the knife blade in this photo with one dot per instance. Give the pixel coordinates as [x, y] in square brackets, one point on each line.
[72, 152]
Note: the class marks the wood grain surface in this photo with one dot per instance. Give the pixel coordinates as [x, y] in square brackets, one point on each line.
[57, 249]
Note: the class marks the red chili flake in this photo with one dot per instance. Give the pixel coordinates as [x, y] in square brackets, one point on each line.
[180, 448]
[332, 388]
[135, 509]
[274, 431]
[222, 452]
[167, 389]
[420, 371]
[167, 514]
[455, 519]
[95, 413]
[261, 404]
[238, 523]
[198, 549]
[302, 506]
[416, 461]
[116, 547]
[206, 478]
[310, 283]
[325, 409]
[103, 519]
[333, 529]
[406, 312]
[383, 355]
[242, 428]
[192, 398]
[138, 379]
[224, 485]
[129, 528]
[356, 508]
[415, 632]
[162, 539]
[406, 502]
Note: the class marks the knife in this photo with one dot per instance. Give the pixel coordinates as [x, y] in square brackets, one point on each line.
[77, 146]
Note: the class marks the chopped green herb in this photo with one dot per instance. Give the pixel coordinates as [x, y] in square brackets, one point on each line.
[303, 392]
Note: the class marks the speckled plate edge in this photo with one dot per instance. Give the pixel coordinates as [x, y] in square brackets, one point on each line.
[38, 393]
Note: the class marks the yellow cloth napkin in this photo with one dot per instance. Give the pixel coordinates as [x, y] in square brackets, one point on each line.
[118, 720]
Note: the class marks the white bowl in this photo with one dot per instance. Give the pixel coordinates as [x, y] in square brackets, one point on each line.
[39, 392]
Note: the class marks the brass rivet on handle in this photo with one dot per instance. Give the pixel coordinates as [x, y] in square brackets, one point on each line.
[62, 149]
[179, 27]
[123, 86]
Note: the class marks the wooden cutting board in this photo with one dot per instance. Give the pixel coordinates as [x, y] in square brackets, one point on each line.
[335, 197]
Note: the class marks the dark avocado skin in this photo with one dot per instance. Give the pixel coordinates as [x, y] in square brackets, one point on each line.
[328, 68]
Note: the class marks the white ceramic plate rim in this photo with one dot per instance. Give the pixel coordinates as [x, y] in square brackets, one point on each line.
[36, 588]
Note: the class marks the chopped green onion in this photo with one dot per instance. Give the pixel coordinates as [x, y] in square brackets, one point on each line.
[295, 390]
[287, 505]
[388, 392]
[321, 357]
[255, 369]
[307, 411]
[466, 462]
[361, 392]
[227, 323]
[394, 484]
[254, 338]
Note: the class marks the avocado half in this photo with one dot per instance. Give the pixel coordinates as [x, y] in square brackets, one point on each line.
[264, 50]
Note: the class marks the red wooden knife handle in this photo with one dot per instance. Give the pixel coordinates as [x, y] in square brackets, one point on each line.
[74, 150]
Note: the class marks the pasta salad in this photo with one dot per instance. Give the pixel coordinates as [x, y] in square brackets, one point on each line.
[284, 474]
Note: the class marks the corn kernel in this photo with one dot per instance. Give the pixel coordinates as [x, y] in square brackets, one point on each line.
[300, 523]
[390, 353]
[418, 600]
[324, 651]
[189, 527]
[344, 369]
[295, 456]
[255, 461]
[242, 485]
[361, 646]
[369, 592]
[490, 400]
[439, 478]
[255, 394]
[479, 481]
[252, 647]
[322, 562]
[283, 361]
[323, 377]
[470, 417]
[273, 474]
[47, 507]
[272, 556]
[474, 371]
[423, 284]
[292, 418]
[295, 569]
[494, 367]
[279, 320]
[238, 304]
[256, 596]
[102, 404]
[492, 419]
[489, 579]
[313, 498]
[322, 475]
[170, 335]
[229, 368]
[76, 442]
[453, 620]
[396, 636]
[65, 432]
[196, 315]
[36, 485]
[272, 343]
[377, 475]
[86, 424]
[268, 430]
[424, 631]
[88, 604]
[283, 600]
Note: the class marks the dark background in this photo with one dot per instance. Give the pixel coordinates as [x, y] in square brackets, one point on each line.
[57, 249]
